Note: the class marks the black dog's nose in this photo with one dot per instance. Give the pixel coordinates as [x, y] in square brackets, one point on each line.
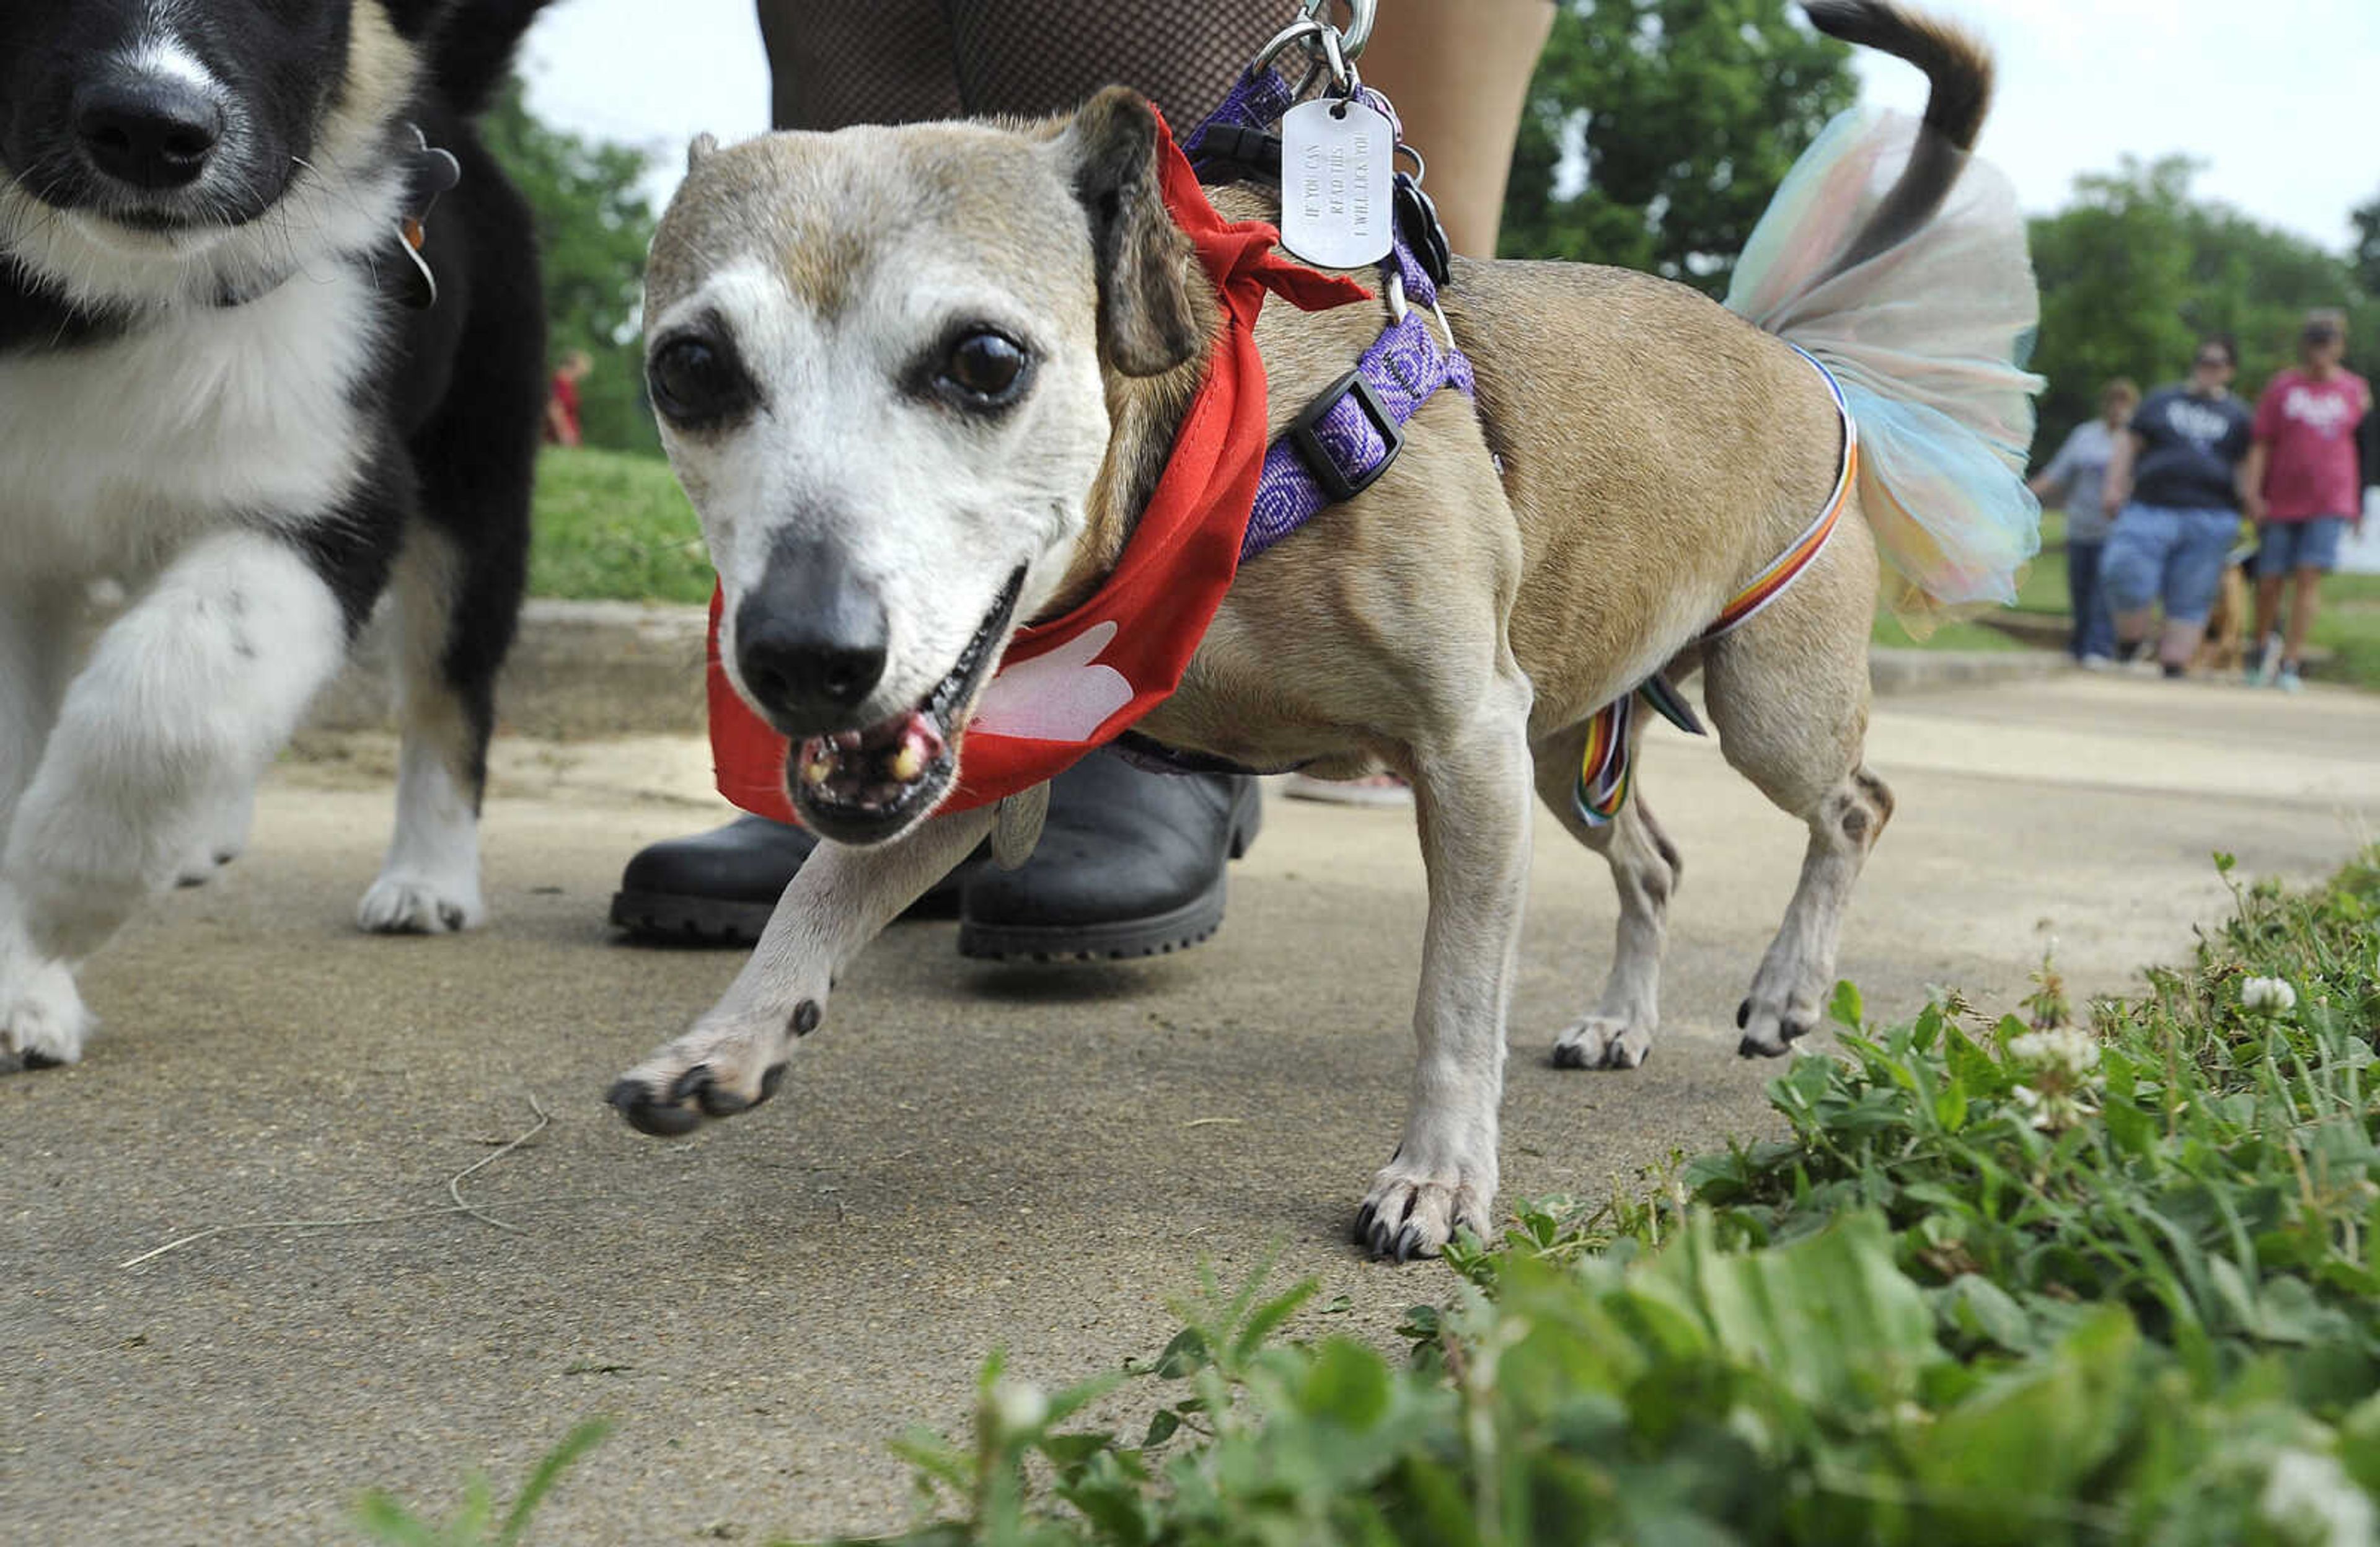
[153, 133]
[810, 640]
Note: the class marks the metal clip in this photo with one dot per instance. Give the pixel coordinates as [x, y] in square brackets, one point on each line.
[1360, 16]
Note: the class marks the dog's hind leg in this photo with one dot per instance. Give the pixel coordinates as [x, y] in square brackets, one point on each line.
[1618, 1034]
[1471, 795]
[1789, 694]
[842, 899]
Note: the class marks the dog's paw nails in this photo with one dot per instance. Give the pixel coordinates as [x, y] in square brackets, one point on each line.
[1599, 1043]
[1743, 1014]
[636, 1102]
[1771, 1034]
[408, 905]
[1408, 1216]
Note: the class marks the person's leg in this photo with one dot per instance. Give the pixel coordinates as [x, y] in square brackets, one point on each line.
[2131, 570]
[1036, 56]
[2081, 594]
[2273, 553]
[2317, 554]
[2194, 575]
[838, 62]
[1459, 76]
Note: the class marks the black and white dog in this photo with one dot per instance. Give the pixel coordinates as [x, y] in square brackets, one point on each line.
[247, 381]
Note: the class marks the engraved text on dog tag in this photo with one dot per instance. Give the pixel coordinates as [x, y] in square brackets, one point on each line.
[1338, 205]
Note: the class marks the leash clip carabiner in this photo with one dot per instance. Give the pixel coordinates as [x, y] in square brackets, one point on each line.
[1328, 49]
[1358, 30]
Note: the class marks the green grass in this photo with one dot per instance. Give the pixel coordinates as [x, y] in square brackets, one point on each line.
[611, 526]
[2073, 1275]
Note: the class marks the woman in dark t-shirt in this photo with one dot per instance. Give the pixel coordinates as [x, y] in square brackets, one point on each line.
[2174, 489]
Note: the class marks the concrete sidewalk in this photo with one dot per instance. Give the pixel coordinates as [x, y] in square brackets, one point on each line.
[967, 1158]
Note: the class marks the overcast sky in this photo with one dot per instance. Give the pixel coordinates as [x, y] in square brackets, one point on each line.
[2274, 96]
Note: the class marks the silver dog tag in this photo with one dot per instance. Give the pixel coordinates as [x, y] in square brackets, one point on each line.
[1017, 826]
[1338, 198]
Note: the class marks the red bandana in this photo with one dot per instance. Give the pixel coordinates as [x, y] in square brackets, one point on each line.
[1075, 683]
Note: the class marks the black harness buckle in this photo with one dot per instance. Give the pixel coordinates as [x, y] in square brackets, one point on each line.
[1335, 480]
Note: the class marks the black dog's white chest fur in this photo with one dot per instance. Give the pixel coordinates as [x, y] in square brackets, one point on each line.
[119, 447]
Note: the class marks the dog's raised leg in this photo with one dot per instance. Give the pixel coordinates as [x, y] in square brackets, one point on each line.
[1471, 794]
[840, 899]
[192, 689]
[1618, 1034]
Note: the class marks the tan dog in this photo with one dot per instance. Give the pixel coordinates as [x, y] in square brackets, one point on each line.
[902, 368]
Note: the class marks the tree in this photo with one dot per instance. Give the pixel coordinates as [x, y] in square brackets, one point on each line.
[2134, 271]
[1682, 116]
[594, 223]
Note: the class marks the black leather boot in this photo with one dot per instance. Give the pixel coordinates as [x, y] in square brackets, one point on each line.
[1130, 864]
[718, 888]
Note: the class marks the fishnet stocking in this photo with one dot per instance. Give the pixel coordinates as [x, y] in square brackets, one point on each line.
[838, 62]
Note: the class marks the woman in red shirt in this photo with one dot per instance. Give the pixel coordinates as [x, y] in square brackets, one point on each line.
[2302, 473]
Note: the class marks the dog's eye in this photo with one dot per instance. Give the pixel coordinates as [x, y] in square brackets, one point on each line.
[695, 381]
[985, 370]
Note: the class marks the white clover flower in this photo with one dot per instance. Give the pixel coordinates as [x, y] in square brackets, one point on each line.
[1018, 1406]
[2062, 1081]
[2268, 995]
[2310, 1496]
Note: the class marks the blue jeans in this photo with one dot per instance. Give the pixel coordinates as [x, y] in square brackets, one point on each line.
[2158, 554]
[2094, 625]
[2288, 546]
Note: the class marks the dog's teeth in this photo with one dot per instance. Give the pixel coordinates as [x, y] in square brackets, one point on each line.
[908, 763]
[815, 772]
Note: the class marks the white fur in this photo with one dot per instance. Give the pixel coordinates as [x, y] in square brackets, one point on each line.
[188, 694]
[844, 451]
[430, 882]
[114, 453]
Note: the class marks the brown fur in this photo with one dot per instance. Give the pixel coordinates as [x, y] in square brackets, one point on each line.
[1635, 454]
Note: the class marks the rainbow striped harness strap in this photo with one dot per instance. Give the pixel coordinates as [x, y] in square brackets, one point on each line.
[1603, 773]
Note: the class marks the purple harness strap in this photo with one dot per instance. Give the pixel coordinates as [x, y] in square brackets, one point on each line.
[1349, 435]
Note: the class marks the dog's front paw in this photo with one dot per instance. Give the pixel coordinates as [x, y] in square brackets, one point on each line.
[42, 1022]
[1770, 1029]
[712, 1071]
[1412, 1214]
[403, 902]
[1600, 1042]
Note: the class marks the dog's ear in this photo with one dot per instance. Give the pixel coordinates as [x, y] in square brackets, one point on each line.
[1145, 263]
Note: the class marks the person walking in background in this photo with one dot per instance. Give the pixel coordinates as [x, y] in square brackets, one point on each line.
[2175, 487]
[562, 425]
[1130, 862]
[2302, 471]
[2075, 480]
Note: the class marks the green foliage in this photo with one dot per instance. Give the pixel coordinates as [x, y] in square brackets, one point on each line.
[2005, 1281]
[593, 225]
[2135, 270]
[385, 1520]
[610, 526]
[1687, 114]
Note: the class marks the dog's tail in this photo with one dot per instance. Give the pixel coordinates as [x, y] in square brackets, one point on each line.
[1959, 68]
[473, 51]
[1897, 258]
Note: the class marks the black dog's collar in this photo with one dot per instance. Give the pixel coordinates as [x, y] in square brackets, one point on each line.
[429, 173]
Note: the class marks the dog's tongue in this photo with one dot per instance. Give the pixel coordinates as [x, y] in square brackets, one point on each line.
[873, 766]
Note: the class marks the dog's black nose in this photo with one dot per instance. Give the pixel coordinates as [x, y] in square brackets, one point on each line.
[153, 133]
[810, 640]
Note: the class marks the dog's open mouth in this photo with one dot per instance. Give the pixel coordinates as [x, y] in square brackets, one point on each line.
[865, 785]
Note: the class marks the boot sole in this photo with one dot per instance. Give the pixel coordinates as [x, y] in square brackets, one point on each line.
[682, 918]
[1159, 935]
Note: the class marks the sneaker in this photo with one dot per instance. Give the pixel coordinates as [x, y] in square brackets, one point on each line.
[2174, 672]
[2097, 662]
[2267, 665]
[2287, 678]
